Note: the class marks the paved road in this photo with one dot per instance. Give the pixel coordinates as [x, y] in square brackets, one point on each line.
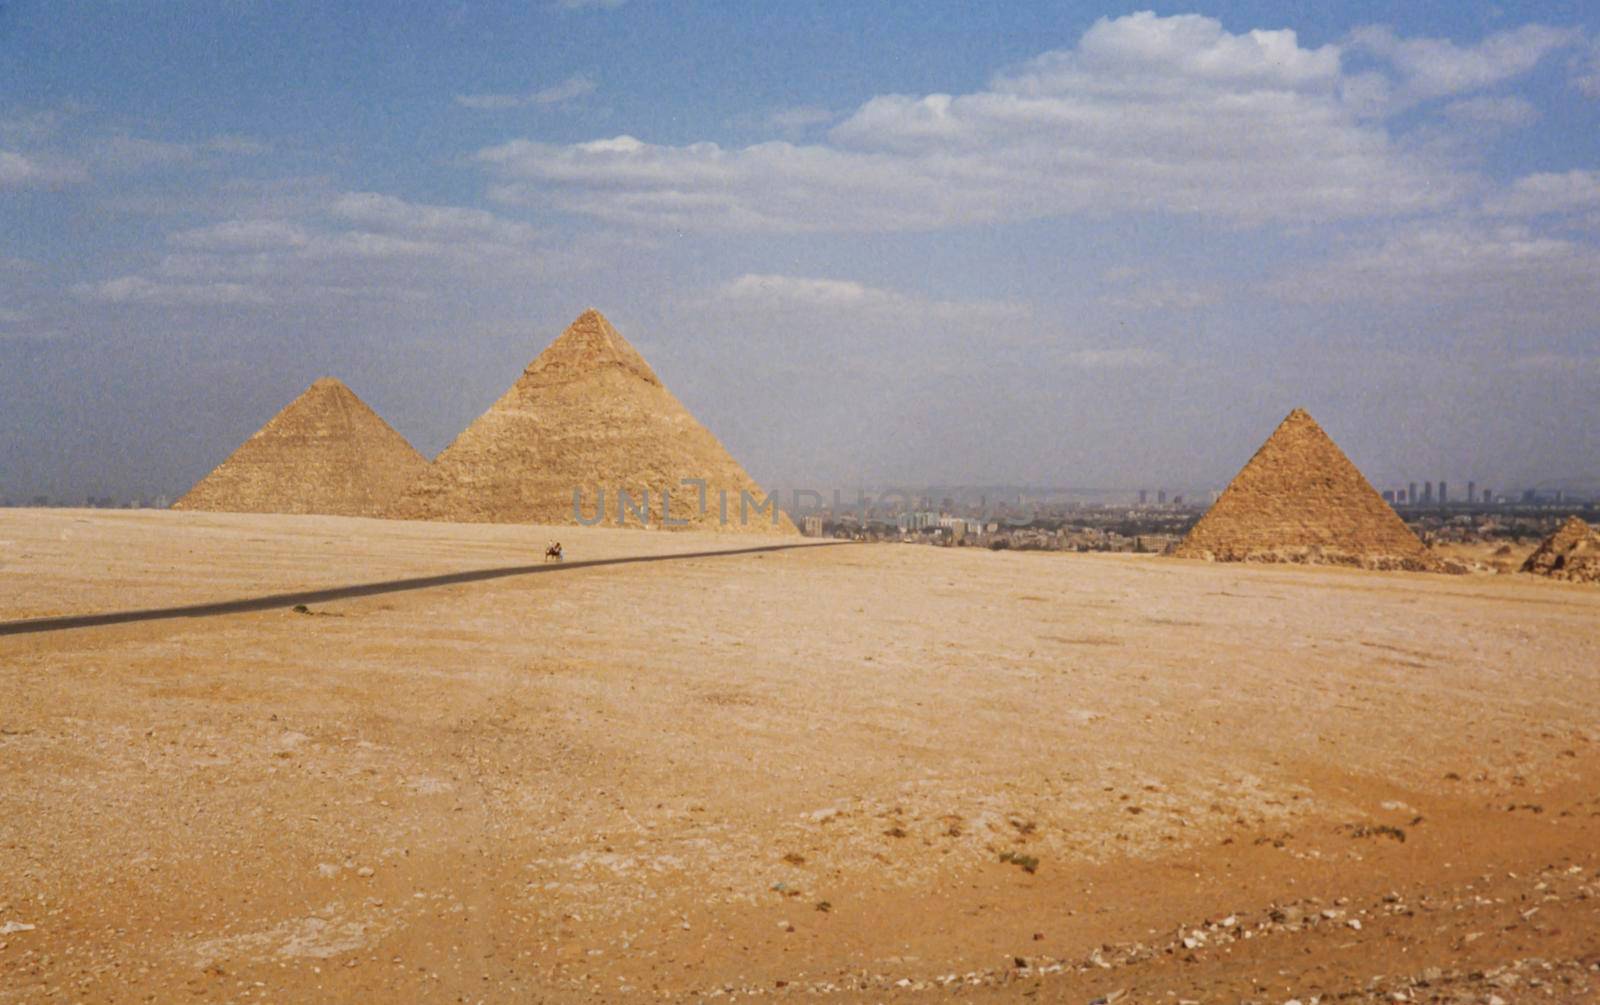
[275, 601]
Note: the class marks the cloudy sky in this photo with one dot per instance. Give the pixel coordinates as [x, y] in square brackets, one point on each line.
[921, 242]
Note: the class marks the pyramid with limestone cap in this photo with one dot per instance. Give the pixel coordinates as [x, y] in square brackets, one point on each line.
[1571, 553]
[326, 452]
[589, 417]
[1299, 499]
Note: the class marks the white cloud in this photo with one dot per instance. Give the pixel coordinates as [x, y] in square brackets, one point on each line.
[1434, 68]
[772, 290]
[800, 119]
[1585, 70]
[770, 295]
[353, 245]
[1187, 47]
[559, 94]
[1557, 364]
[1161, 295]
[123, 152]
[238, 146]
[1133, 358]
[36, 171]
[139, 290]
[243, 236]
[1504, 111]
[389, 214]
[1549, 194]
[35, 127]
[1510, 274]
[1146, 114]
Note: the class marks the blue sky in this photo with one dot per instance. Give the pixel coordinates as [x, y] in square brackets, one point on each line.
[865, 243]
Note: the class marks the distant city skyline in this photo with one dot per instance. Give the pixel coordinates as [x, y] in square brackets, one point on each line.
[1031, 243]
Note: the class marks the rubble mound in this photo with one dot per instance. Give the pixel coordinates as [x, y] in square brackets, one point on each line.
[1571, 553]
[1301, 500]
[589, 417]
[325, 452]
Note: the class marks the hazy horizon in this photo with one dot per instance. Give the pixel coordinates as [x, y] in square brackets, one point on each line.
[1038, 245]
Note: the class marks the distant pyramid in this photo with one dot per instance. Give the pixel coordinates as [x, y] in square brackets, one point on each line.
[587, 415]
[327, 452]
[1573, 553]
[1301, 500]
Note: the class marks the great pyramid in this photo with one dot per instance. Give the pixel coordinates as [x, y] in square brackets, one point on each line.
[326, 452]
[1301, 500]
[588, 415]
[1572, 552]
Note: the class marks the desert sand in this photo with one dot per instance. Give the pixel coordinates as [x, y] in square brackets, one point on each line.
[847, 772]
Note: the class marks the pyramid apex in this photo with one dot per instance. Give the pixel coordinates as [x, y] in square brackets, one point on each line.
[327, 384]
[588, 346]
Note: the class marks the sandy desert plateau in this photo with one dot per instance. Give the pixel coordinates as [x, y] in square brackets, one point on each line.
[848, 772]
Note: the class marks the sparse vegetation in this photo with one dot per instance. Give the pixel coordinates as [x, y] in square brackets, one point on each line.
[1375, 830]
[1028, 863]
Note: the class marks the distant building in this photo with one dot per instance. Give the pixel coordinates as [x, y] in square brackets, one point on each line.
[1444, 493]
[1488, 496]
[1161, 497]
[1144, 494]
[1472, 492]
[918, 521]
[1388, 496]
[813, 526]
[1411, 494]
[1427, 492]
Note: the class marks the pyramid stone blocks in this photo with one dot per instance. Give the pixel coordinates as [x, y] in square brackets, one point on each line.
[588, 416]
[326, 452]
[1571, 553]
[1299, 499]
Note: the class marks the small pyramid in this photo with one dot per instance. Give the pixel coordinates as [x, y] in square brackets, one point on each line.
[1571, 553]
[1301, 500]
[326, 452]
[588, 415]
